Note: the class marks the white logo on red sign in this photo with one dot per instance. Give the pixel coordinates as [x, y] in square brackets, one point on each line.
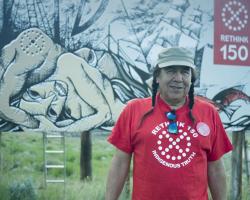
[203, 129]
[234, 15]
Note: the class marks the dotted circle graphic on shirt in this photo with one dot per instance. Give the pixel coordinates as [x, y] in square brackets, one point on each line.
[234, 15]
[174, 148]
[32, 42]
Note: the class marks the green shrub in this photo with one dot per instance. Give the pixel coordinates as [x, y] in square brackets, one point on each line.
[4, 192]
[71, 157]
[22, 190]
[70, 169]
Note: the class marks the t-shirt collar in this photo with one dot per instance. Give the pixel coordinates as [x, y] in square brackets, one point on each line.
[166, 108]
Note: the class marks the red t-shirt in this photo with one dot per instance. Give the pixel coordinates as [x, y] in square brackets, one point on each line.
[170, 166]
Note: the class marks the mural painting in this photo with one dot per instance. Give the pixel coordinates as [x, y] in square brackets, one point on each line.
[72, 66]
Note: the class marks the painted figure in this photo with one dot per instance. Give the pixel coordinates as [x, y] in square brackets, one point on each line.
[27, 60]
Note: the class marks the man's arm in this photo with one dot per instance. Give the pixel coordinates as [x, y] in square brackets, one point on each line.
[217, 180]
[117, 174]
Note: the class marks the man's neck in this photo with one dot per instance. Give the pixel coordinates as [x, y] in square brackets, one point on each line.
[174, 104]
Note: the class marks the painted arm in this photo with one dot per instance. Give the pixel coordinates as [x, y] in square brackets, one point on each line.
[118, 173]
[88, 86]
[83, 124]
[217, 180]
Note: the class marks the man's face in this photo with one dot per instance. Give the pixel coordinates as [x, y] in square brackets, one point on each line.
[174, 83]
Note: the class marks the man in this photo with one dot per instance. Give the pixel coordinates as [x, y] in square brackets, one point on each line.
[177, 140]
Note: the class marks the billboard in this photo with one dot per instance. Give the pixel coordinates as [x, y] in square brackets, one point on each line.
[72, 66]
[231, 44]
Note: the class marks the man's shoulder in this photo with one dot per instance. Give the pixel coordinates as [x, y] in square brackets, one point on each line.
[140, 102]
[204, 102]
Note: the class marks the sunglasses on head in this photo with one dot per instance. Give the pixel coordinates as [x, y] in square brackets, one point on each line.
[172, 127]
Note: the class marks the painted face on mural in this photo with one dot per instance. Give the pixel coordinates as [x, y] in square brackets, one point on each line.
[174, 83]
[45, 99]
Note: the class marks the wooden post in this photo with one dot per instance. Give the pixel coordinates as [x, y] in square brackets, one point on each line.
[247, 158]
[236, 177]
[86, 156]
[1, 157]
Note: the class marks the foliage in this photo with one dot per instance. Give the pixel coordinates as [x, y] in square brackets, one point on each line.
[22, 157]
[22, 190]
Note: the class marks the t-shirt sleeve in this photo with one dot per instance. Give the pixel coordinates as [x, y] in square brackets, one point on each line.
[220, 142]
[120, 136]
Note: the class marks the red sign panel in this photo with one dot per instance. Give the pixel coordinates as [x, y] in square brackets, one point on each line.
[232, 32]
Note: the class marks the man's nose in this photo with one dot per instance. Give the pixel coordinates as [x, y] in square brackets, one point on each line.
[178, 76]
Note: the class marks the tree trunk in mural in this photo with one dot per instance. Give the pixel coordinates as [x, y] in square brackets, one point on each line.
[86, 155]
[56, 22]
[6, 34]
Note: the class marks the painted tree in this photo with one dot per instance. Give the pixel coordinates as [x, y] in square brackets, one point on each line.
[6, 34]
[56, 21]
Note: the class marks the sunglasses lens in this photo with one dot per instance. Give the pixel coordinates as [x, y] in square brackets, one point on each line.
[171, 116]
[172, 128]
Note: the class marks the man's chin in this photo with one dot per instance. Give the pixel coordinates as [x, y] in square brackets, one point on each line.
[177, 95]
[177, 98]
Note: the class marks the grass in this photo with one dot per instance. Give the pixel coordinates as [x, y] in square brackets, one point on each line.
[21, 160]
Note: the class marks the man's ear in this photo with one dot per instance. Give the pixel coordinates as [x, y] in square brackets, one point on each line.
[157, 80]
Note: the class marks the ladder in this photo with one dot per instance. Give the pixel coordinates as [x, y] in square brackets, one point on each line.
[54, 158]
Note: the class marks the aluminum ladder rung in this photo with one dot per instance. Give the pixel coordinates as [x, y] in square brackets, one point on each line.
[54, 151]
[54, 136]
[54, 181]
[55, 166]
